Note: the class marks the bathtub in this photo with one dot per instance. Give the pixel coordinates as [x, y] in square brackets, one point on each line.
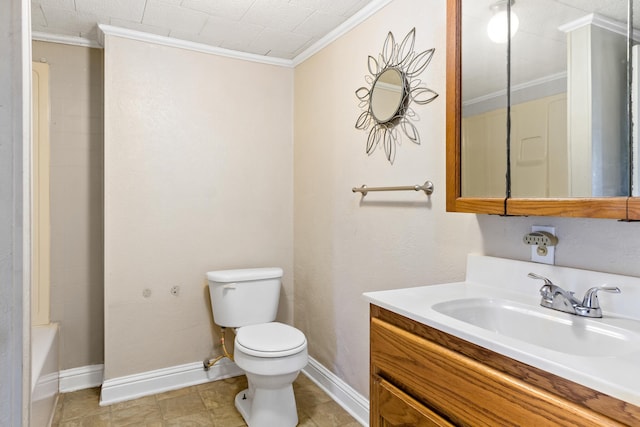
[44, 373]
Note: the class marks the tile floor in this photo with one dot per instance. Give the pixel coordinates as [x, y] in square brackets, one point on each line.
[209, 404]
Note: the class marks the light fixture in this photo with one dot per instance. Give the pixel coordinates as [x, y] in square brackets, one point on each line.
[497, 27]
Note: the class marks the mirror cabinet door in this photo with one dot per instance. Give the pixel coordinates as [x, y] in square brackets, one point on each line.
[569, 100]
[634, 202]
[484, 104]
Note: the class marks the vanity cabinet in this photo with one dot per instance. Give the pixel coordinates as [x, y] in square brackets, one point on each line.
[421, 376]
[397, 408]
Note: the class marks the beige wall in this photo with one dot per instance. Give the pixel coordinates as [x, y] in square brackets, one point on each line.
[198, 177]
[344, 247]
[76, 199]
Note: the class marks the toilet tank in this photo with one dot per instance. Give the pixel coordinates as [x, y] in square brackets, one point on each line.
[244, 297]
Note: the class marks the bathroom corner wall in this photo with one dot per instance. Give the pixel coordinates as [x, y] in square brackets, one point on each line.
[14, 213]
[76, 140]
[198, 177]
[386, 240]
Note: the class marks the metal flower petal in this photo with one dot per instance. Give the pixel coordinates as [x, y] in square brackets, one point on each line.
[374, 66]
[388, 50]
[363, 120]
[405, 52]
[373, 139]
[420, 62]
[411, 131]
[363, 93]
[389, 145]
[423, 95]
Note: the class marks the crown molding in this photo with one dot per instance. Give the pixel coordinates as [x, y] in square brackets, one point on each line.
[355, 20]
[60, 38]
[602, 22]
[539, 82]
[597, 20]
[189, 45]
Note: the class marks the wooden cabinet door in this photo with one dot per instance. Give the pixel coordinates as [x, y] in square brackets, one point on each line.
[466, 391]
[395, 408]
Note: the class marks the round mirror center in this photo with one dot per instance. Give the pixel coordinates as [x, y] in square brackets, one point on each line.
[387, 95]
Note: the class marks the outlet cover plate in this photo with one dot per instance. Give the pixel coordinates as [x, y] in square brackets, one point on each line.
[550, 257]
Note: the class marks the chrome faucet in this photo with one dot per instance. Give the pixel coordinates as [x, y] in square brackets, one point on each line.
[556, 298]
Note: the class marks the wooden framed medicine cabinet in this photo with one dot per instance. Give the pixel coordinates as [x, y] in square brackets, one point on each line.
[619, 206]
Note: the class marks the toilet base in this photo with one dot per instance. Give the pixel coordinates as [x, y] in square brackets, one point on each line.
[268, 407]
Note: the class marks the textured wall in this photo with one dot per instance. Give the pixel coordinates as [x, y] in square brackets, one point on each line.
[76, 138]
[198, 177]
[592, 244]
[395, 240]
[344, 247]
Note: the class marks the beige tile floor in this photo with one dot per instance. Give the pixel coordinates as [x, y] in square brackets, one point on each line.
[208, 404]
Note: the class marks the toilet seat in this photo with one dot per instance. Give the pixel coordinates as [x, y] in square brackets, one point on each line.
[271, 339]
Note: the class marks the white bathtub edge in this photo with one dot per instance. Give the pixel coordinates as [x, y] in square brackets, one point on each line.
[44, 373]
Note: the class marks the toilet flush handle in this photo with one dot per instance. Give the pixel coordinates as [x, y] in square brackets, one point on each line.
[229, 286]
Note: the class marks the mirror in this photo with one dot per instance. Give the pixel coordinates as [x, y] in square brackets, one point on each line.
[386, 103]
[484, 105]
[567, 151]
[568, 98]
[387, 96]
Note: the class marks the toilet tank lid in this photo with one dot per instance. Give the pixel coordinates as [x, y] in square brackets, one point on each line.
[245, 274]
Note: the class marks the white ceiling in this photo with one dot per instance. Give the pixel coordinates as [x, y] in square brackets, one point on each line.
[277, 28]
[286, 28]
[539, 48]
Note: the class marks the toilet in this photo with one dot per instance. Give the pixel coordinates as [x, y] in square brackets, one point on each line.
[270, 353]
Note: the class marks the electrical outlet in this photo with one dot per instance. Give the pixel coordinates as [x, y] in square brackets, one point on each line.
[540, 256]
[175, 291]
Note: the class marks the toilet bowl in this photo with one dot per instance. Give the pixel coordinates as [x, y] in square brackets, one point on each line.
[270, 353]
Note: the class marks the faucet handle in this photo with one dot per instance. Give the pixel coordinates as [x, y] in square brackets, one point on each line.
[547, 289]
[537, 276]
[590, 300]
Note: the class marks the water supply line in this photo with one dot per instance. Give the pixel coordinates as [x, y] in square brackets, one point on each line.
[208, 363]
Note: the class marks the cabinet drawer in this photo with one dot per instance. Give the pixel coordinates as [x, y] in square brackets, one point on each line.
[396, 408]
[465, 391]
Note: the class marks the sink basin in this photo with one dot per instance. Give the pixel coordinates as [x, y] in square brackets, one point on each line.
[498, 308]
[546, 328]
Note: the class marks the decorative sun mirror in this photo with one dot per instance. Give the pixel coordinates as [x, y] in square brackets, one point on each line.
[393, 87]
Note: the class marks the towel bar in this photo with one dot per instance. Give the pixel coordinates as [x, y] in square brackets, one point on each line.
[427, 187]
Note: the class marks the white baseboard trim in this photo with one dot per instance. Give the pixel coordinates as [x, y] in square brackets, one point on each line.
[161, 380]
[152, 382]
[343, 394]
[80, 378]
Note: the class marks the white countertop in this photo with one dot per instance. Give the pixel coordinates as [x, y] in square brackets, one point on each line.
[488, 277]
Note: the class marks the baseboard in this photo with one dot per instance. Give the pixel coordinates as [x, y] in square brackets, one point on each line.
[342, 393]
[81, 378]
[161, 380]
[152, 382]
